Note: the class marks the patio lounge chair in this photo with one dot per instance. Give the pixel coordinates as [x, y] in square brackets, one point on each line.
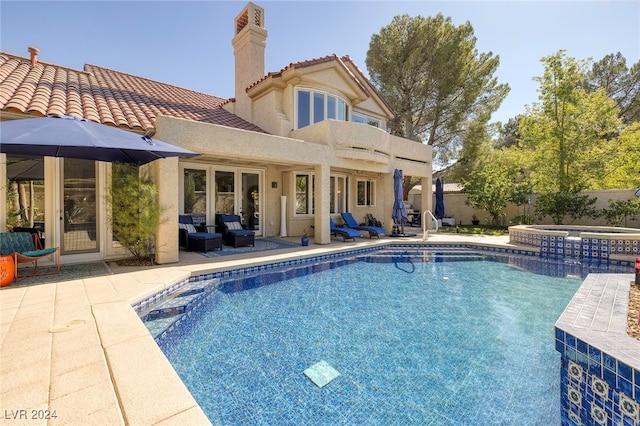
[233, 232]
[374, 231]
[345, 233]
[21, 246]
[196, 238]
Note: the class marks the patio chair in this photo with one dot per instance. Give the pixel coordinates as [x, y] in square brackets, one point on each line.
[374, 231]
[233, 233]
[195, 237]
[345, 233]
[35, 234]
[21, 246]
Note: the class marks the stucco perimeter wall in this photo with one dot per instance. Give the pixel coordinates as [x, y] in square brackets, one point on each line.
[455, 206]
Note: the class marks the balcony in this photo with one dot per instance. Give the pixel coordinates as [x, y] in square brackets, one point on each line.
[360, 142]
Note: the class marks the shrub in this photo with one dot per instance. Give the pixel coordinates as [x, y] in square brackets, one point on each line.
[621, 210]
[135, 212]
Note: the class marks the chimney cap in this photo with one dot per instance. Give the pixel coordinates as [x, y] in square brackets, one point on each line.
[34, 55]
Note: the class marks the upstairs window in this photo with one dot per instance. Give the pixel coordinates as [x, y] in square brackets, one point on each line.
[314, 107]
[361, 118]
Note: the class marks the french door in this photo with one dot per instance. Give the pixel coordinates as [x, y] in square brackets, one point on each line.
[79, 222]
[238, 192]
[212, 190]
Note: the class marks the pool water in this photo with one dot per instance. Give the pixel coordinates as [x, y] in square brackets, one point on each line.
[419, 339]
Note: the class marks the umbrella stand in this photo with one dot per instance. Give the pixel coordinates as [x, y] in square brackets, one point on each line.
[399, 213]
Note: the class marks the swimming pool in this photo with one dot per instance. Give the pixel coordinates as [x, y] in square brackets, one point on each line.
[418, 336]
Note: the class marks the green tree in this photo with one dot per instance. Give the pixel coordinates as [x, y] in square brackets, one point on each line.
[508, 133]
[476, 144]
[622, 162]
[435, 80]
[619, 82]
[135, 211]
[567, 138]
[567, 132]
[497, 181]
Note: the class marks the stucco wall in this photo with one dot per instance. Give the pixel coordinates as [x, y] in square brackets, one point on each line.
[455, 206]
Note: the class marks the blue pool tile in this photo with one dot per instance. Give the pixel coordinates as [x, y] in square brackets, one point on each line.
[610, 377]
[609, 362]
[625, 371]
[625, 386]
[582, 347]
[595, 368]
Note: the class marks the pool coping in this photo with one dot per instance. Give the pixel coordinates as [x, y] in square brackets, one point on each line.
[88, 328]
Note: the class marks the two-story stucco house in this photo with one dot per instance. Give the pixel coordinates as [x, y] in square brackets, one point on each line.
[292, 149]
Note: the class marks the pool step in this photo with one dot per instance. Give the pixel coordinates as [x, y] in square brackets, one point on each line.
[174, 306]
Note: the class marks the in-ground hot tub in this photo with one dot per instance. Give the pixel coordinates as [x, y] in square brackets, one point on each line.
[580, 242]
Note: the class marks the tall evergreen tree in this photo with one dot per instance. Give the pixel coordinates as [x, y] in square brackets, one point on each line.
[435, 80]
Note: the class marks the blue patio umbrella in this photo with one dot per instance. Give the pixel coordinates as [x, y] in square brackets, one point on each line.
[399, 212]
[439, 211]
[72, 137]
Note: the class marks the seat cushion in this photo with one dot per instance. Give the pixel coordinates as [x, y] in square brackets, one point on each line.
[241, 232]
[204, 235]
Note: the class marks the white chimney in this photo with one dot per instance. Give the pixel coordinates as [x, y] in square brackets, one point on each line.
[249, 43]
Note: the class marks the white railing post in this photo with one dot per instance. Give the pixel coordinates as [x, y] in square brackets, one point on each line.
[425, 231]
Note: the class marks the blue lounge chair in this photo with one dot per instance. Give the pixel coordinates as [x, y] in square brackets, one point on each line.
[233, 233]
[345, 233]
[374, 231]
[194, 236]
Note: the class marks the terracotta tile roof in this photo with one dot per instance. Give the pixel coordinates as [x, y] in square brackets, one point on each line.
[104, 96]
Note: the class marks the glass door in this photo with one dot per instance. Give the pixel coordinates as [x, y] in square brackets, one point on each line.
[195, 191]
[225, 192]
[250, 202]
[79, 200]
[25, 193]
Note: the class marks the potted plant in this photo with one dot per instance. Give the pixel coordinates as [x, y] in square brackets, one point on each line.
[304, 240]
[474, 220]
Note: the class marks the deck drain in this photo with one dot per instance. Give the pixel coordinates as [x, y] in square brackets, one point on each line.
[68, 326]
[321, 373]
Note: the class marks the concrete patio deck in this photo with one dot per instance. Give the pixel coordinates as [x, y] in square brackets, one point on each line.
[75, 352]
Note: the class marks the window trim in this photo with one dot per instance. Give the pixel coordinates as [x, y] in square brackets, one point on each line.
[338, 198]
[370, 192]
[369, 119]
[344, 196]
[310, 202]
[311, 120]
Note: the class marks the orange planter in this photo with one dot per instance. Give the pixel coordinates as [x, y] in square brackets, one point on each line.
[7, 270]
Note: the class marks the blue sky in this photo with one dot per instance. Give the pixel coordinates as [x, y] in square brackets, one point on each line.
[188, 44]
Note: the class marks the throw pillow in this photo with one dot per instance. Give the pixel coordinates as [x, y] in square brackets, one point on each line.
[233, 225]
